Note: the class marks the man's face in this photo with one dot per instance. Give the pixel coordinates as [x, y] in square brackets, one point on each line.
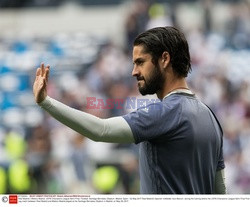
[149, 76]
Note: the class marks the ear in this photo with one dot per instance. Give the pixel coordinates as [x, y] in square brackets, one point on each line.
[165, 59]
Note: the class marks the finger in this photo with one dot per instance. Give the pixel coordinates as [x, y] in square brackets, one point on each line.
[47, 69]
[38, 73]
[42, 69]
[44, 84]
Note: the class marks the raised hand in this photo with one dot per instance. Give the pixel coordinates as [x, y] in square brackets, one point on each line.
[41, 82]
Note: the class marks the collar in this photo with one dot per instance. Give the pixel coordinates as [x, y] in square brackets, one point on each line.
[186, 91]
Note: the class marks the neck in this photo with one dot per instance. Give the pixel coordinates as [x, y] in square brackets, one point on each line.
[170, 86]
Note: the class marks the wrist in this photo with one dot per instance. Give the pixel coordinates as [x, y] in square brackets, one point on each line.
[45, 103]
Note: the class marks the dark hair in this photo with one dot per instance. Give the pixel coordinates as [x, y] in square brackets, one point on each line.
[170, 39]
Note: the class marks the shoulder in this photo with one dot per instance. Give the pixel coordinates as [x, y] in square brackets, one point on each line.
[157, 110]
[154, 120]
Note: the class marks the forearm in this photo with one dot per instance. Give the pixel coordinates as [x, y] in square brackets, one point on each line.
[220, 186]
[115, 130]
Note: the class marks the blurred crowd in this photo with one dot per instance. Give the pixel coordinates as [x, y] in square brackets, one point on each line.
[40, 155]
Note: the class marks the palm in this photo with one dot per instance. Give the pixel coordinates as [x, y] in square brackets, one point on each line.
[40, 83]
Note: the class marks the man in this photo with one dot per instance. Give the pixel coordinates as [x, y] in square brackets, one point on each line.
[180, 138]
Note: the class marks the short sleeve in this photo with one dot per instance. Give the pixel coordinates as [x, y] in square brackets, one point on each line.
[221, 164]
[153, 122]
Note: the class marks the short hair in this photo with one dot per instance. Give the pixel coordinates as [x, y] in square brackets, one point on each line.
[170, 39]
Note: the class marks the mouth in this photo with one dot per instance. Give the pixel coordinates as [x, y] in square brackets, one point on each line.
[140, 79]
[140, 83]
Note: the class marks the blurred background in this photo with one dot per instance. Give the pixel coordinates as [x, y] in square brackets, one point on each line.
[88, 46]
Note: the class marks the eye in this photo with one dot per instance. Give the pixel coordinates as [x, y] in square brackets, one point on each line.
[140, 62]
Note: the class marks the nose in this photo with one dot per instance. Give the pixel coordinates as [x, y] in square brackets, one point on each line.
[135, 71]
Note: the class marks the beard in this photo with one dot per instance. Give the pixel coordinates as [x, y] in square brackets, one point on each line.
[153, 84]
